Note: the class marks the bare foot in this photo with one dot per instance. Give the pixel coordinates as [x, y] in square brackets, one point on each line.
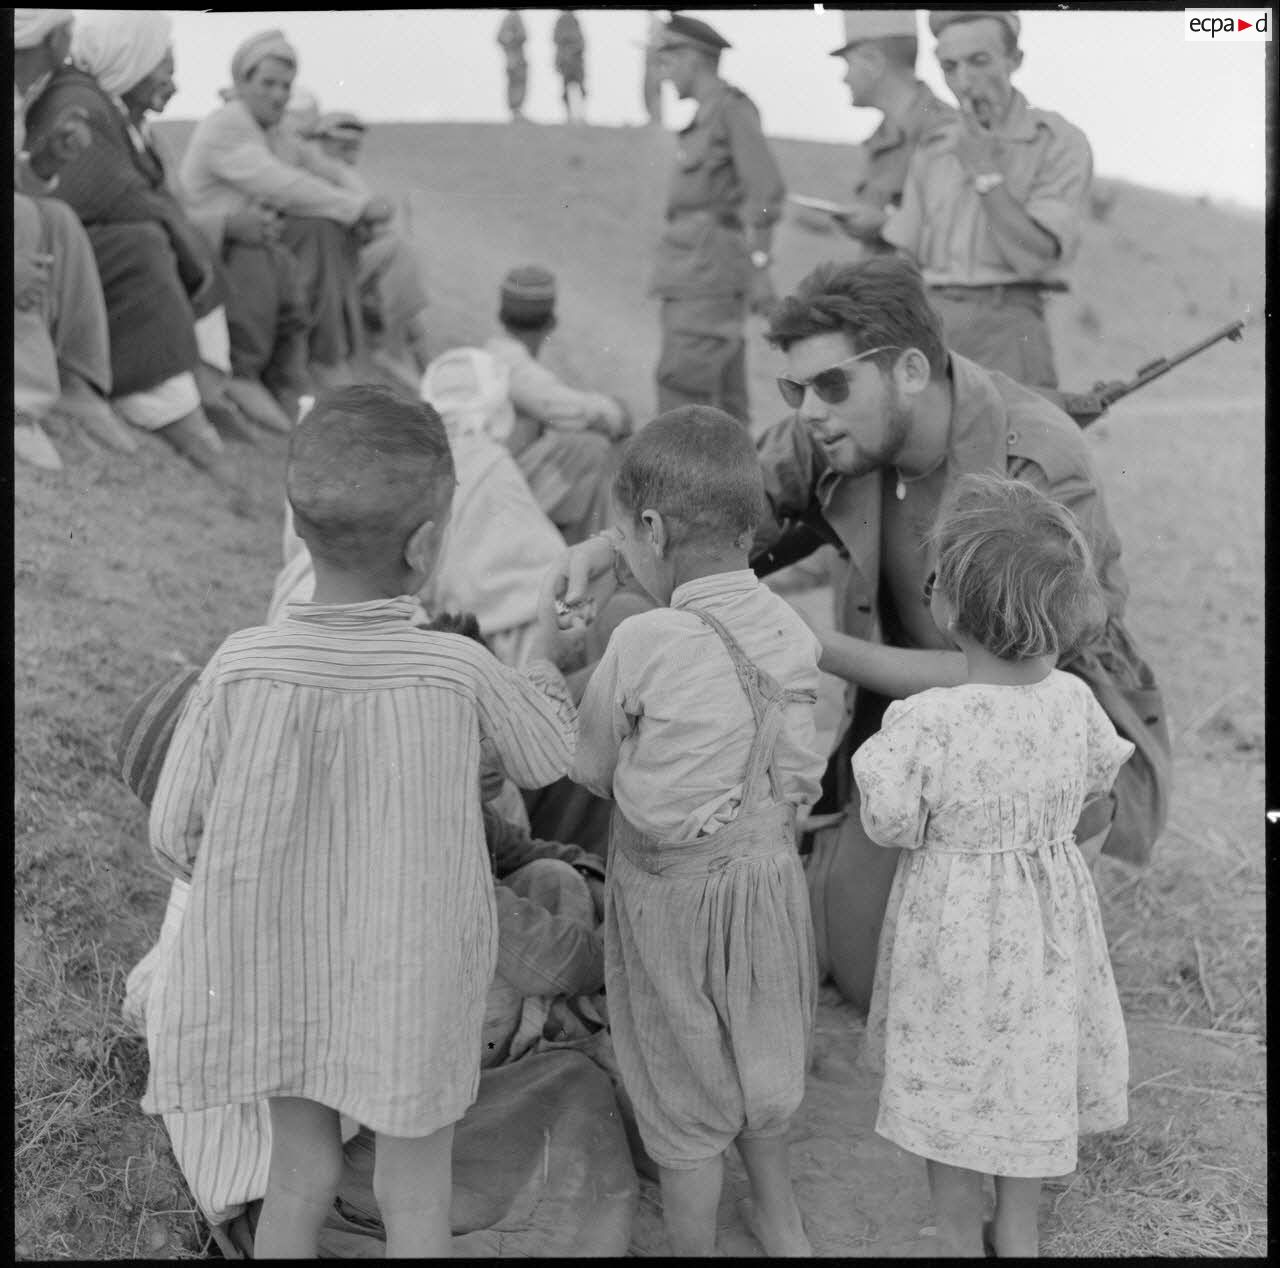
[780, 1239]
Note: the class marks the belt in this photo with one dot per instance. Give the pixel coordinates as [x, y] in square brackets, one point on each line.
[725, 219]
[995, 290]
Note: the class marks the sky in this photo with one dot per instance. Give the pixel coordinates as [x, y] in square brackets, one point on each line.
[1158, 110]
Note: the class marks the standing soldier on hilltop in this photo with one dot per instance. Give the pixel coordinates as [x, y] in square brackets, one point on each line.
[879, 52]
[994, 201]
[511, 36]
[713, 259]
[651, 86]
[570, 63]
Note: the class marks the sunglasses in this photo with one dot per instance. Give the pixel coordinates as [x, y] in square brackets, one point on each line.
[830, 386]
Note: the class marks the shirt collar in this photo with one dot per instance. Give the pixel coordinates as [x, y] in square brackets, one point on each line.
[889, 135]
[1021, 123]
[717, 90]
[979, 419]
[403, 607]
[719, 585]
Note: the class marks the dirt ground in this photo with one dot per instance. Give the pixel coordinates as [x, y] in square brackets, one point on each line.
[125, 566]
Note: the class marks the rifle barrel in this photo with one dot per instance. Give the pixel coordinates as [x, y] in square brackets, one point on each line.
[1162, 365]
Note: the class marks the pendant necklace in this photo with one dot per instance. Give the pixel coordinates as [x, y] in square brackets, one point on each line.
[900, 490]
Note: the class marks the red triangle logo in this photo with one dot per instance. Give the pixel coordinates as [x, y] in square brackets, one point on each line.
[1242, 25]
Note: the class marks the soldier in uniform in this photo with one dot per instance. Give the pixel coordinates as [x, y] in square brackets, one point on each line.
[713, 259]
[994, 201]
[511, 36]
[880, 62]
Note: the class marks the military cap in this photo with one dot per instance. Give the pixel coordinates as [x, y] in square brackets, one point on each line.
[682, 30]
[874, 24]
[940, 19]
[147, 730]
[528, 293]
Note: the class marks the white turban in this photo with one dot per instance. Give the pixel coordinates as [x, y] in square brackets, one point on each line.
[30, 26]
[468, 388]
[120, 47]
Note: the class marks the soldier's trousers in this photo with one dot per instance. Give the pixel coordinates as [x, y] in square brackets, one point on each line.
[1000, 327]
[704, 355]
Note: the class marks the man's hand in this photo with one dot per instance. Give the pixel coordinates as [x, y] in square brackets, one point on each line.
[31, 274]
[861, 220]
[67, 138]
[763, 297]
[255, 225]
[977, 149]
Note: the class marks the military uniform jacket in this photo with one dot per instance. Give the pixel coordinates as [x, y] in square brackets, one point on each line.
[996, 425]
[725, 178]
[887, 151]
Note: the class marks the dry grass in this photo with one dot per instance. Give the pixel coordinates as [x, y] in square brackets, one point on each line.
[1138, 1193]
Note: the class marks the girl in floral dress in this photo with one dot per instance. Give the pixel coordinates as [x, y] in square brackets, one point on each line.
[994, 1016]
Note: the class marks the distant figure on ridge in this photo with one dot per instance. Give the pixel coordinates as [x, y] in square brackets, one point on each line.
[511, 36]
[570, 63]
[713, 259]
[879, 53]
[651, 87]
[993, 202]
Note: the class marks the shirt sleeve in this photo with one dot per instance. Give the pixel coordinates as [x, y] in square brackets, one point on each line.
[186, 781]
[536, 391]
[1108, 751]
[1057, 198]
[762, 186]
[602, 725]
[511, 847]
[239, 156]
[893, 772]
[529, 716]
[904, 228]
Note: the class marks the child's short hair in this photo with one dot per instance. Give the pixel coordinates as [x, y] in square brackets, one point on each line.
[366, 468]
[697, 467]
[1016, 568]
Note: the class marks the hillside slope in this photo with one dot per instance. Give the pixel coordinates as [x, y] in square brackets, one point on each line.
[125, 565]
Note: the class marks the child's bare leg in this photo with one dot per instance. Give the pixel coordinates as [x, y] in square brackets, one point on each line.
[957, 1209]
[302, 1182]
[413, 1183]
[1016, 1225]
[774, 1215]
[690, 1201]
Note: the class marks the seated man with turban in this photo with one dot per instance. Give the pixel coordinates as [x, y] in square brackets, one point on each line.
[562, 439]
[239, 159]
[158, 275]
[61, 345]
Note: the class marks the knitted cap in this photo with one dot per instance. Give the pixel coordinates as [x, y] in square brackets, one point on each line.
[528, 293]
[940, 19]
[338, 124]
[147, 730]
[874, 24]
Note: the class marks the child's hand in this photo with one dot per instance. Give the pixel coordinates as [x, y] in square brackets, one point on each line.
[583, 580]
[561, 628]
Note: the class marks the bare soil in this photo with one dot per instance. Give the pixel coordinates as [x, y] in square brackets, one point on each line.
[125, 566]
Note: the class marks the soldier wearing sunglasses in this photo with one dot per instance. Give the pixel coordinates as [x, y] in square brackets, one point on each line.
[885, 418]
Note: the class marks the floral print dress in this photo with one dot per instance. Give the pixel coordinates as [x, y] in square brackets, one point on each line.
[994, 1016]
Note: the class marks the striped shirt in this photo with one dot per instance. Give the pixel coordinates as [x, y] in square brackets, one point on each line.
[321, 792]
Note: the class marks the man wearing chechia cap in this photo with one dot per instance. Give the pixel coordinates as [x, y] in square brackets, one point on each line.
[994, 201]
[713, 259]
[879, 52]
[563, 436]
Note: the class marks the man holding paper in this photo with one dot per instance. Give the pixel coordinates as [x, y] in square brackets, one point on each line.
[880, 59]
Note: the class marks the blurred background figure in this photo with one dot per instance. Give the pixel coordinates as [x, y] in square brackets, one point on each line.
[511, 36]
[571, 65]
[393, 299]
[651, 85]
[61, 346]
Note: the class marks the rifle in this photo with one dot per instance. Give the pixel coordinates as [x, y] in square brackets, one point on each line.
[803, 535]
[1087, 407]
